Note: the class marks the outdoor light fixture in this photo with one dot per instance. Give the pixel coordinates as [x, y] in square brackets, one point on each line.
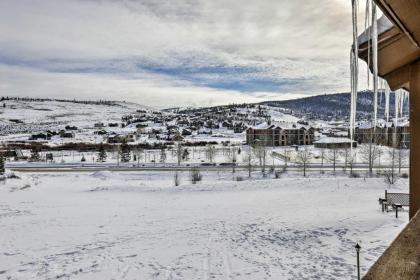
[358, 247]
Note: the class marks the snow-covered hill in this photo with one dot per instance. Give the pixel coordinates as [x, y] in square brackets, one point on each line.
[334, 106]
[31, 116]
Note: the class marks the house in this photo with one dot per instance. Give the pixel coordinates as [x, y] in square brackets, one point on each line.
[186, 132]
[117, 138]
[70, 127]
[285, 135]
[40, 136]
[100, 132]
[12, 153]
[141, 129]
[176, 137]
[239, 127]
[66, 134]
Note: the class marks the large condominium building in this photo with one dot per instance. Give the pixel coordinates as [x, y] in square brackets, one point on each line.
[280, 135]
[387, 134]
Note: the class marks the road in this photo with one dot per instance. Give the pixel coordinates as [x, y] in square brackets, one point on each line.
[78, 167]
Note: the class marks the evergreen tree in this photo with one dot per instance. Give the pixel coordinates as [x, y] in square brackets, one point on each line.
[1, 165]
[35, 155]
[125, 152]
[101, 154]
[185, 154]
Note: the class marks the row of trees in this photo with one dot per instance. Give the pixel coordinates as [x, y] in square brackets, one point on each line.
[257, 155]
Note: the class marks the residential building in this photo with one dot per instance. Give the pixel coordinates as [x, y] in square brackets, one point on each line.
[386, 134]
[276, 135]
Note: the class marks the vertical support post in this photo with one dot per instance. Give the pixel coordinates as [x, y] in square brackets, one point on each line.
[358, 247]
[415, 138]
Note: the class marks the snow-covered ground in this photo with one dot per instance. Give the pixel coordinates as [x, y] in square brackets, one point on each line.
[137, 225]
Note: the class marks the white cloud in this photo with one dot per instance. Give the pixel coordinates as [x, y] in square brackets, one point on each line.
[298, 40]
[159, 92]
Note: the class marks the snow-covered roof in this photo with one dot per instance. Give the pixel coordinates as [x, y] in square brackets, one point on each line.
[384, 24]
[282, 125]
[334, 140]
[402, 122]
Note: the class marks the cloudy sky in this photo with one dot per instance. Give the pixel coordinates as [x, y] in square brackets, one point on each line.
[176, 52]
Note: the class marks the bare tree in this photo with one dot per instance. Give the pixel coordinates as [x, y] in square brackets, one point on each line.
[210, 153]
[351, 159]
[176, 179]
[179, 153]
[369, 153]
[248, 159]
[138, 154]
[380, 153]
[346, 153]
[390, 174]
[231, 155]
[402, 158]
[323, 156]
[304, 157]
[286, 153]
[332, 157]
[162, 155]
[260, 153]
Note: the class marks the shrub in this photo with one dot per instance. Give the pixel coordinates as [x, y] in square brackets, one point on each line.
[13, 176]
[239, 179]
[26, 186]
[404, 175]
[195, 175]
[176, 179]
[354, 175]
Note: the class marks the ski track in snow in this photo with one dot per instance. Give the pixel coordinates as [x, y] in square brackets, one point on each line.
[231, 243]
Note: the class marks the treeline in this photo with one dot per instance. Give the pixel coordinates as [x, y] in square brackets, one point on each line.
[89, 102]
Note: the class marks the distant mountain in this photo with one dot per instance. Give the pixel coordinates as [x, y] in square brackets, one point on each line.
[335, 106]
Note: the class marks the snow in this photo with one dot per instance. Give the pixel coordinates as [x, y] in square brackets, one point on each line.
[134, 225]
[383, 25]
[334, 140]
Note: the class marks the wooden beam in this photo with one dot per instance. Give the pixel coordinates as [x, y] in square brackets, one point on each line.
[399, 78]
[403, 14]
[415, 138]
[394, 52]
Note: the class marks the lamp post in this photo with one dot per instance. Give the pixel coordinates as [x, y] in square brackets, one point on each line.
[358, 247]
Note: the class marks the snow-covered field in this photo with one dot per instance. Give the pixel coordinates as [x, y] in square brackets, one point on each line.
[139, 226]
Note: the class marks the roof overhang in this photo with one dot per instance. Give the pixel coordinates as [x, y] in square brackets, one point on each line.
[398, 41]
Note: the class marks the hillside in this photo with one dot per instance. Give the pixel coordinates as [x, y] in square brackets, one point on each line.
[34, 115]
[334, 106]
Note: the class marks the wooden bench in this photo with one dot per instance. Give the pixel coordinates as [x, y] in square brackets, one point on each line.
[395, 200]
